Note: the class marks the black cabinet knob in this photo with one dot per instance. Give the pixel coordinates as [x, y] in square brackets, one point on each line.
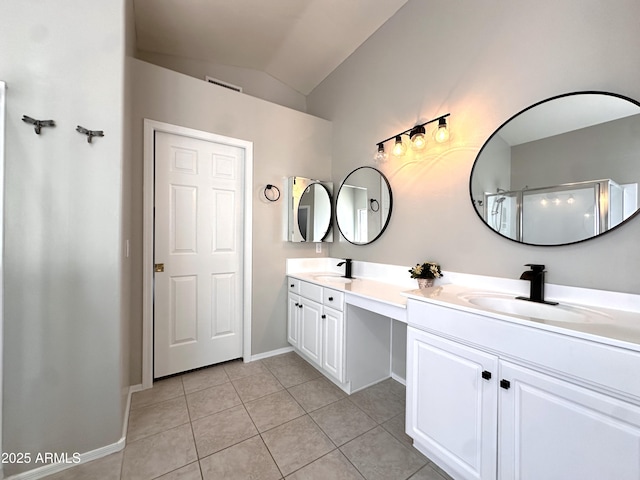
[292, 285]
[300, 305]
[331, 299]
[297, 304]
[506, 384]
[486, 375]
[324, 316]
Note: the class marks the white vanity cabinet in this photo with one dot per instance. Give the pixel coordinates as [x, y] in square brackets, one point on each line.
[451, 408]
[315, 325]
[489, 399]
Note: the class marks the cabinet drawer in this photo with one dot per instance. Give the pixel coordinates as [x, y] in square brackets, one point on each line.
[333, 298]
[311, 291]
[293, 284]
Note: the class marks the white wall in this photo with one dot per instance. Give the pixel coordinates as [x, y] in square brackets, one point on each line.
[483, 62]
[253, 82]
[62, 362]
[286, 143]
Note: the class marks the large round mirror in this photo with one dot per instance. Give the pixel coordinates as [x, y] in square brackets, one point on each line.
[561, 171]
[363, 205]
[314, 213]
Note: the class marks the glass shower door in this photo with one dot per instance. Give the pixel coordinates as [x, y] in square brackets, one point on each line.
[556, 216]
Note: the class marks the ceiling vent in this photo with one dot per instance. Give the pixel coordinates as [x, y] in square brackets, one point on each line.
[220, 83]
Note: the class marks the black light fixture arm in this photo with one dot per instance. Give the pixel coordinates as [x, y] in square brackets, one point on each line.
[408, 130]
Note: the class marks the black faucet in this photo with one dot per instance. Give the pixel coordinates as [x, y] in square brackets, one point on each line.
[536, 277]
[347, 267]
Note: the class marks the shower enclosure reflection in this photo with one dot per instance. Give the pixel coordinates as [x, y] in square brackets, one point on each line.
[560, 214]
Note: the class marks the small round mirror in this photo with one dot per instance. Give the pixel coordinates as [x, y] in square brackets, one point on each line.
[314, 213]
[363, 205]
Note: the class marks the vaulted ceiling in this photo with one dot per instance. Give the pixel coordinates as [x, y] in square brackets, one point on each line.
[298, 42]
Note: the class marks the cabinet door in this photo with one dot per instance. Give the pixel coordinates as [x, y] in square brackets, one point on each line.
[333, 344]
[451, 407]
[310, 342]
[293, 319]
[553, 429]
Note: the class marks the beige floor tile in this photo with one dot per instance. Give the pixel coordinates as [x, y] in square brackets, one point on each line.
[395, 427]
[105, 468]
[290, 358]
[156, 418]
[379, 456]
[212, 400]
[294, 373]
[221, 430]
[378, 402]
[159, 454]
[296, 444]
[342, 421]
[238, 369]
[273, 410]
[247, 460]
[162, 390]
[204, 378]
[395, 387]
[430, 472]
[188, 472]
[315, 394]
[256, 386]
[333, 466]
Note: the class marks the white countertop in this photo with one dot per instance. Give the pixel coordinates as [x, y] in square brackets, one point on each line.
[619, 327]
[361, 287]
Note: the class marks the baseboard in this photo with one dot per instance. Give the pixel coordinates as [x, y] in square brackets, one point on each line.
[399, 379]
[52, 468]
[272, 353]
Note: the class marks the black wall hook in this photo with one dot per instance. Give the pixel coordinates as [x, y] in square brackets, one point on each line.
[38, 124]
[90, 133]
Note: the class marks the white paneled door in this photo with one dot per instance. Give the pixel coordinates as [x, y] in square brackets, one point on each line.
[198, 297]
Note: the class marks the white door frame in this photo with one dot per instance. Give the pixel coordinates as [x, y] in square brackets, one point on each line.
[3, 89]
[150, 127]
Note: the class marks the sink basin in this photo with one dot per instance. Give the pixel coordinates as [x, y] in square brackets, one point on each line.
[537, 311]
[333, 278]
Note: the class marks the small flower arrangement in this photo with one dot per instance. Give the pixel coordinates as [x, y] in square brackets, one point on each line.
[426, 270]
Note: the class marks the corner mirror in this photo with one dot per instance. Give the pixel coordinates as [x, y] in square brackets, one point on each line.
[309, 210]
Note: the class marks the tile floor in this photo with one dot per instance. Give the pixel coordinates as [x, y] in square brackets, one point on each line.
[270, 419]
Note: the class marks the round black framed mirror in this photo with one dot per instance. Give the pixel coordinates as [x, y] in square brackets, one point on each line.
[363, 205]
[561, 171]
[314, 213]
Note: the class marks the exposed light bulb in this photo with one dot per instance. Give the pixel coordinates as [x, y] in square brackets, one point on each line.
[571, 200]
[556, 201]
[418, 141]
[441, 134]
[544, 202]
[381, 155]
[399, 149]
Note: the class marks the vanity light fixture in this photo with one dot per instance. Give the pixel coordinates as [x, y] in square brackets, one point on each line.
[381, 155]
[441, 134]
[399, 148]
[417, 136]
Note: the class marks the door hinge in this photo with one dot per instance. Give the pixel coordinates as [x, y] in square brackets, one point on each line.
[158, 267]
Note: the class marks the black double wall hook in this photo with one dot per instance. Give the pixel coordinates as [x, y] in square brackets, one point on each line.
[38, 124]
[90, 133]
